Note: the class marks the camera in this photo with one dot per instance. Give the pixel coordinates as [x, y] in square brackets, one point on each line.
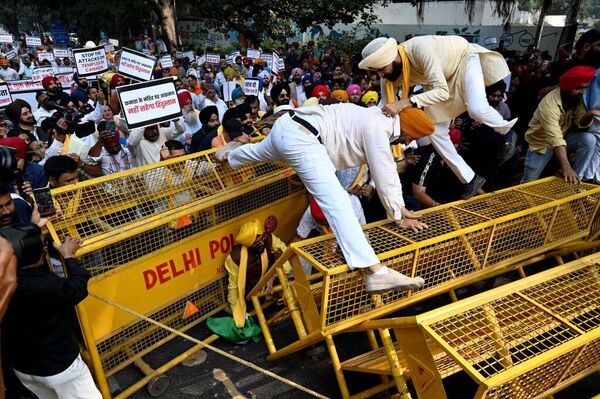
[72, 118]
[8, 165]
[26, 241]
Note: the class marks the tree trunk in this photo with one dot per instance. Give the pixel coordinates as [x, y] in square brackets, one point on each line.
[166, 15]
[567, 40]
[546, 4]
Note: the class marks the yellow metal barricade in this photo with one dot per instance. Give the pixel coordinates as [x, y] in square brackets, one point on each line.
[467, 241]
[524, 340]
[155, 239]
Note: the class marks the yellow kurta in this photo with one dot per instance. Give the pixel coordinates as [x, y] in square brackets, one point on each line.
[237, 304]
[550, 123]
[439, 63]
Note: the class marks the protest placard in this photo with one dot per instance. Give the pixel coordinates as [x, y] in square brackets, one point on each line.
[33, 41]
[146, 51]
[166, 61]
[252, 53]
[275, 63]
[267, 57]
[135, 65]
[109, 48]
[149, 102]
[6, 38]
[114, 42]
[5, 97]
[45, 56]
[228, 88]
[251, 86]
[178, 55]
[90, 61]
[61, 53]
[40, 73]
[201, 60]
[213, 58]
[190, 55]
[10, 54]
[209, 43]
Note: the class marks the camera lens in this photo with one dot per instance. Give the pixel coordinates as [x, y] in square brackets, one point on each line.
[26, 241]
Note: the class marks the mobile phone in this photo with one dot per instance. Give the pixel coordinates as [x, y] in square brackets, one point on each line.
[110, 126]
[43, 199]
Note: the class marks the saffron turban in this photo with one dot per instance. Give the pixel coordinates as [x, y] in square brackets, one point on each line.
[340, 95]
[576, 77]
[379, 53]
[415, 123]
[370, 95]
[248, 232]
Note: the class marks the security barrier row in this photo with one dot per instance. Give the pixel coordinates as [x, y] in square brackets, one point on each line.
[524, 340]
[467, 241]
[155, 239]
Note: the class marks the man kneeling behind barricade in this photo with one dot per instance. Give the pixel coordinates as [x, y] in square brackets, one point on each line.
[256, 250]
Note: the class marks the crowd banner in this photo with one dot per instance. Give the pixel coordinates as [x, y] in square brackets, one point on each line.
[166, 61]
[252, 53]
[251, 86]
[5, 97]
[41, 55]
[33, 41]
[136, 65]
[149, 102]
[40, 73]
[90, 61]
[61, 53]
[267, 57]
[26, 89]
[213, 58]
[6, 38]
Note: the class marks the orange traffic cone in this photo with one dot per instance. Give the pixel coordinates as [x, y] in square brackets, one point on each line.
[190, 310]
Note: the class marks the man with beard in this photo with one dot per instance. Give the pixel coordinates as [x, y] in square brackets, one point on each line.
[80, 87]
[280, 95]
[455, 73]
[296, 88]
[209, 117]
[54, 91]
[6, 72]
[587, 53]
[44, 110]
[191, 117]
[19, 113]
[560, 110]
[148, 141]
[210, 98]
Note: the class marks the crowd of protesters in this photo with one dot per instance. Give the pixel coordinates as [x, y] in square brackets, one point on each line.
[551, 109]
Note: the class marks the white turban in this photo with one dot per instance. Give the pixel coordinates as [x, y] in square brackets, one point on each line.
[379, 53]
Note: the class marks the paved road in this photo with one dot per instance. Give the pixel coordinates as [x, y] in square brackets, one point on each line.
[212, 378]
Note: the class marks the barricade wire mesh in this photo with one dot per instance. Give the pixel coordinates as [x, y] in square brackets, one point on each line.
[462, 239]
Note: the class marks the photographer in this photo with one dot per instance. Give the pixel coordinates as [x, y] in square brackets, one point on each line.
[25, 171]
[37, 335]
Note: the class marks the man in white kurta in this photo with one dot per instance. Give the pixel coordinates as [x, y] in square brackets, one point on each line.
[454, 73]
[316, 141]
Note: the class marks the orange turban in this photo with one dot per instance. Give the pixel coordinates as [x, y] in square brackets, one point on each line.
[340, 95]
[415, 123]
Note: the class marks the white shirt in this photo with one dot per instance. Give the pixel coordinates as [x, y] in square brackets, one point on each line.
[76, 145]
[354, 135]
[148, 152]
[8, 74]
[40, 114]
[26, 71]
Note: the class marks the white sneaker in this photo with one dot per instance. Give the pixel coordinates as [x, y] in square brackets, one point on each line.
[392, 281]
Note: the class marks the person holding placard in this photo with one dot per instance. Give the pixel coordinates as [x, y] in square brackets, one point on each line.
[27, 67]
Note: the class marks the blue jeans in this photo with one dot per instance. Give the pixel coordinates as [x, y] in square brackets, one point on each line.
[582, 144]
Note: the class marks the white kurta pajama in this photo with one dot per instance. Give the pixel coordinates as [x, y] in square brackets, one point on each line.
[454, 73]
[350, 136]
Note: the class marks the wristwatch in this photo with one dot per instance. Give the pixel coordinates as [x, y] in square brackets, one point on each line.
[413, 102]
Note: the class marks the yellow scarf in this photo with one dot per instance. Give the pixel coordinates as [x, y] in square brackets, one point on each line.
[389, 85]
[239, 312]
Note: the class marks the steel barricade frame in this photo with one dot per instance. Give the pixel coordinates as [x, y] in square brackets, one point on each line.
[144, 257]
[485, 235]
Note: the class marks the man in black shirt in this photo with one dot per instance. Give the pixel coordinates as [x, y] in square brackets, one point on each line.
[39, 340]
